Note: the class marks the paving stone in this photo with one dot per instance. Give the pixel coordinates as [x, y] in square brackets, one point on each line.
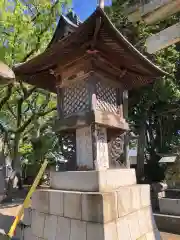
[72, 205]
[124, 203]
[50, 227]
[27, 219]
[78, 230]
[38, 220]
[95, 231]
[63, 228]
[135, 197]
[56, 205]
[143, 222]
[110, 231]
[27, 233]
[40, 201]
[150, 221]
[134, 225]
[145, 195]
[123, 229]
[99, 207]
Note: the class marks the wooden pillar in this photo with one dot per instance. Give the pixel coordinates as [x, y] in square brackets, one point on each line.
[126, 137]
[59, 101]
[126, 150]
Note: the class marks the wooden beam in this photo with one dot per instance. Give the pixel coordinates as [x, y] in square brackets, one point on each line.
[101, 4]
[163, 39]
[78, 120]
[153, 11]
[110, 120]
[163, 12]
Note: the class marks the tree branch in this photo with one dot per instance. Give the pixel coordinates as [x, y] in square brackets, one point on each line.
[40, 34]
[7, 96]
[41, 114]
[11, 111]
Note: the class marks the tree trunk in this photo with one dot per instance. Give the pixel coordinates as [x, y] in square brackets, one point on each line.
[14, 180]
[16, 165]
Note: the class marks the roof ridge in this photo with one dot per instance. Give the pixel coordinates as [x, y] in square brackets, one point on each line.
[73, 17]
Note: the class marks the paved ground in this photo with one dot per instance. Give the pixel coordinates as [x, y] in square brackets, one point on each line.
[168, 236]
[7, 214]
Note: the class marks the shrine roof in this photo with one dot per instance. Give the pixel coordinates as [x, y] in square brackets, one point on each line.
[99, 32]
[66, 25]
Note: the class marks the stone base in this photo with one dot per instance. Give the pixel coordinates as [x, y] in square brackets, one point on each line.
[124, 214]
[169, 206]
[93, 181]
[167, 223]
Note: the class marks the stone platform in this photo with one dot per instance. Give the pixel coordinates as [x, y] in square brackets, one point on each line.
[168, 216]
[95, 181]
[167, 223]
[169, 206]
[124, 213]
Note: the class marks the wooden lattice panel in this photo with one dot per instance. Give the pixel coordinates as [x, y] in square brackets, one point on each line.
[75, 98]
[106, 98]
[67, 141]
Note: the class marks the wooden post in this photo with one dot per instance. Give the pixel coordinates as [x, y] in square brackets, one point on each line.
[126, 150]
[126, 137]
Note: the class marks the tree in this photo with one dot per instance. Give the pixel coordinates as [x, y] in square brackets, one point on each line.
[26, 28]
[156, 106]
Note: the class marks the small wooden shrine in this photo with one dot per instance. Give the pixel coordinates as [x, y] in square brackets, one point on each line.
[90, 66]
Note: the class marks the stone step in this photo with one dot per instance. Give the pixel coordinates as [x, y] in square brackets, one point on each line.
[123, 214]
[92, 181]
[167, 223]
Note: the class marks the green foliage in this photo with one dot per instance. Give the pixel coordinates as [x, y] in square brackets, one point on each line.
[26, 113]
[157, 105]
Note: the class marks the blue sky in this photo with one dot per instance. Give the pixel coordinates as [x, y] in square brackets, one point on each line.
[84, 8]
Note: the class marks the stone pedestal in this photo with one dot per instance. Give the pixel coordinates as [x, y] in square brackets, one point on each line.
[110, 207]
